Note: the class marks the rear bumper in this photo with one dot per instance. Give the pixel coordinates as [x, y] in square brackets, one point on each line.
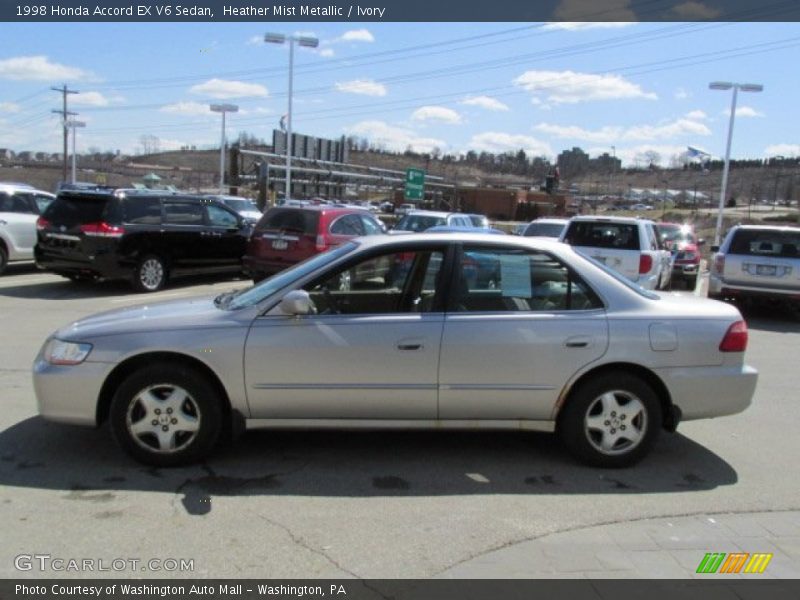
[719, 287]
[706, 392]
[685, 270]
[104, 266]
[263, 267]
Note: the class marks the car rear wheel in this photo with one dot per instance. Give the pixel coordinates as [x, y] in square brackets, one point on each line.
[611, 420]
[150, 274]
[3, 259]
[166, 415]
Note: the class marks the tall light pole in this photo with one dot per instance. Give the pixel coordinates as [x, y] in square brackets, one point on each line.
[306, 42]
[73, 124]
[727, 85]
[223, 108]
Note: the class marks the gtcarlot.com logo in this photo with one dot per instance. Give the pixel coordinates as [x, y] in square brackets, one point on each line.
[47, 562]
[735, 562]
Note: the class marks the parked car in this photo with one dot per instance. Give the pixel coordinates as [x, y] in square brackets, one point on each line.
[244, 206]
[758, 262]
[418, 221]
[629, 246]
[387, 207]
[479, 221]
[404, 209]
[546, 228]
[641, 207]
[142, 236]
[559, 344]
[20, 206]
[685, 248]
[287, 235]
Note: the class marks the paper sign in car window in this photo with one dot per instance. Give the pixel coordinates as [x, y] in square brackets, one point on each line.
[515, 275]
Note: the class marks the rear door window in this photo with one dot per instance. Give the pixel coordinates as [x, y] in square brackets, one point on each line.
[183, 213]
[347, 225]
[617, 236]
[371, 226]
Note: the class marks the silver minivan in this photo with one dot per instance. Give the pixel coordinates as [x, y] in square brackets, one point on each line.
[757, 261]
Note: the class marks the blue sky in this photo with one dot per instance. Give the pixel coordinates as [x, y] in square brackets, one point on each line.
[457, 87]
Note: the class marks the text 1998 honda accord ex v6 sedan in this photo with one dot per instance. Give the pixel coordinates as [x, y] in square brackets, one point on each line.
[434, 330]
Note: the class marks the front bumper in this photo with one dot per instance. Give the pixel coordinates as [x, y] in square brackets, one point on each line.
[706, 392]
[69, 394]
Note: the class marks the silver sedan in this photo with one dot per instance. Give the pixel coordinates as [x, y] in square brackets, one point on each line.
[430, 331]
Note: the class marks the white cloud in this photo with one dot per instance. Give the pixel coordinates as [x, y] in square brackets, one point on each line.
[583, 25]
[190, 109]
[694, 11]
[492, 141]
[223, 89]
[486, 102]
[611, 134]
[256, 40]
[9, 107]
[681, 94]
[743, 111]
[356, 35]
[696, 115]
[365, 87]
[436, 113]
[568, 87]
[394, 138]
[580, 10]
[783, 150]
[629, 155]
[39, 68]
[89, 99]
[326, 52]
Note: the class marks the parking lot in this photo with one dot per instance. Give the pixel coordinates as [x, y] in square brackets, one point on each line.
[376, 505]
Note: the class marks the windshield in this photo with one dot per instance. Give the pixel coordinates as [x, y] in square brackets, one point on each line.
[623, 280]
[552, 230]
[269, 286]
[241, 205]
[419, 222]
[675, 233]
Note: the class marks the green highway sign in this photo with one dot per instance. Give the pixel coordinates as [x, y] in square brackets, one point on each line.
[415, 184]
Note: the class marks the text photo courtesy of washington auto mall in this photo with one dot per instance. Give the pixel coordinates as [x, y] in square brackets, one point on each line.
[382, 300]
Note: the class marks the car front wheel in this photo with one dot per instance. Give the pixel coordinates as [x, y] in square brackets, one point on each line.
[167, 415]
[611, 420]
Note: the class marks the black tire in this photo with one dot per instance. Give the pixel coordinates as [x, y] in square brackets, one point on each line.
[3, 259]
[151, 274]
[585, 423]
[143, 400]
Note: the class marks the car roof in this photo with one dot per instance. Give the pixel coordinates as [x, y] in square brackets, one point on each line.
[546, 221]
[462, 229]
[481, 236]
[767, 227]
[325, 208]
[628, 220]
[433, 213]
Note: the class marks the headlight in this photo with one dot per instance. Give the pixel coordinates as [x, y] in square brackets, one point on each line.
[59, 352]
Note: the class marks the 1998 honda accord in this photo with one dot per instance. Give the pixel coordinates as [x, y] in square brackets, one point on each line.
[433, 330]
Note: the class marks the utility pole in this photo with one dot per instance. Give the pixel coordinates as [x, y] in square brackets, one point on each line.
[64, 114]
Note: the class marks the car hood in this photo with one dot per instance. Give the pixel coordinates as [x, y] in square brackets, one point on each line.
[158, 316]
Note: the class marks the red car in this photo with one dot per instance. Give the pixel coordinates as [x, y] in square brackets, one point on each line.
[685, 248]
[285, 236]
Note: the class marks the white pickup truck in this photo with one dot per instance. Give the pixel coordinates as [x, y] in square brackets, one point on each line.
[20, 207]
[630, 246]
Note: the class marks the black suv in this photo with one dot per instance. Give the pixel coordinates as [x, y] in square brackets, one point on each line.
[144, 237]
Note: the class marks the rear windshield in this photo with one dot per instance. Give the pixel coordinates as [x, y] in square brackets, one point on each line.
[766, 242]
[618, 236]
[544, 230]
[73, 209]
[419, 222]
[290, 220]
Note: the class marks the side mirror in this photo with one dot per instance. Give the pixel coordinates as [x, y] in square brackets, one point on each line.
[702, 242]
[714, 248]
[297, 302]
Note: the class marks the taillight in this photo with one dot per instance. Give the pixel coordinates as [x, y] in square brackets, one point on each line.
[735, 339]
[42, 224]
[321, 243]
[102, 229]
[719, 263]
[645, 263]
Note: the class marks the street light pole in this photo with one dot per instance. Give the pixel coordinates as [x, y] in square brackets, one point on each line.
[73, 124]
[306, 42]
[222, 108]
[726, 85]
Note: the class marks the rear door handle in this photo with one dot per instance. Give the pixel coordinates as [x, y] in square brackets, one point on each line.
[409, 345]
[578, 341]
